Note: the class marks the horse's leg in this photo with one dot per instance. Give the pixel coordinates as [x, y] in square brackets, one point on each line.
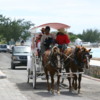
[58, 82]
[79, 82]
[75, 82]
[47, 77]
[68, 77]
[52, 83]
[69, 80]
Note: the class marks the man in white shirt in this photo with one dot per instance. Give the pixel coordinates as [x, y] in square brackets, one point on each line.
[46, 40]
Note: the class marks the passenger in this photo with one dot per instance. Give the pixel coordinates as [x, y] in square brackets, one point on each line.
[22, 42]
[43, 31]
[39, 36]
[62, 39]
[46, 40]
[39, 45]
[36, 40]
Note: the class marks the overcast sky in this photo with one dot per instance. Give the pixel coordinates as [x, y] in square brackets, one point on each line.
[79, 14]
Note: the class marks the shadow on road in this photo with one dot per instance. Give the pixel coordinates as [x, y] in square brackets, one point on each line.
[22, 68]
[44, 94]
[28, 86]
[63, 93]
[24, 86]
[41, 89]
[69, 93]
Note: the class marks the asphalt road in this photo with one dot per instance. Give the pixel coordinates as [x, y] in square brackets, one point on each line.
[90, 89]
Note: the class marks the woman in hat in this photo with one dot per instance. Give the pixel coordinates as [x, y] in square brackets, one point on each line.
[62, 39]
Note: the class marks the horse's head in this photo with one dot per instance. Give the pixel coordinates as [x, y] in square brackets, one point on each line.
[55, 57]
[83, 56]
[86, 56]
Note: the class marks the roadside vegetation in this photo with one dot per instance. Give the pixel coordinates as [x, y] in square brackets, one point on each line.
[88, 35]
[13, 29]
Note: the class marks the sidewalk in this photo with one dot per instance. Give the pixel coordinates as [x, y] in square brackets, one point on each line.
[95, 63]
[8, 90]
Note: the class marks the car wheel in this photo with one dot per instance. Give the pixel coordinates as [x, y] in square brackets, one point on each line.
[12, 66]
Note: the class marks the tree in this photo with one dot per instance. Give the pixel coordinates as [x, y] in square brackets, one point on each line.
[90, 35]
[14, 29]
[72, 36]
[2, 39]
[80, 36]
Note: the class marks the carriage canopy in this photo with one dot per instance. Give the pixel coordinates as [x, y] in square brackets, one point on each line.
[54, 25]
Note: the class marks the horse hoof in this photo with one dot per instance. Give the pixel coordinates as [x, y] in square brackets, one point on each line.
[70, 90]
[75, 88]
[78, 91]
[48, 90]
[52, 91]
[58, 92]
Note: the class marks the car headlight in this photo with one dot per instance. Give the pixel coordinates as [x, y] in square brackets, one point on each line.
[15, 58]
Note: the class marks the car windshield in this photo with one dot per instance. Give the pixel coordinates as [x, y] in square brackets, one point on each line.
[21, 49]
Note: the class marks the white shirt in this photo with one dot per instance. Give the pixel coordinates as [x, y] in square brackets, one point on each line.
[44, 36]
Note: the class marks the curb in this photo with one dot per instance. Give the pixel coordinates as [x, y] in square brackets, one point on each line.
[2, 75]
[92, 78]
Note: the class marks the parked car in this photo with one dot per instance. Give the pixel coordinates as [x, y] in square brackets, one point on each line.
[3, 48]
[19, 56]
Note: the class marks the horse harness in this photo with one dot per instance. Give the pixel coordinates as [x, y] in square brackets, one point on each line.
[73, 57]
[52, 62]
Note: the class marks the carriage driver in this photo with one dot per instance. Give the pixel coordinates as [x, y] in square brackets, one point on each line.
[62, 39]
[46, 40]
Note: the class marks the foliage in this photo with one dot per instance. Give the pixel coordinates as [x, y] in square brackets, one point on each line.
[2, 40]
[90, 35]
[14, 28]
[72, 36]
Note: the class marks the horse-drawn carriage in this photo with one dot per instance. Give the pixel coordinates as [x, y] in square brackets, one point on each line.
[67, 65]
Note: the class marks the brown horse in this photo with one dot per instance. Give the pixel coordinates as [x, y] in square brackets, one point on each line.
[52, 65]
[77, 59]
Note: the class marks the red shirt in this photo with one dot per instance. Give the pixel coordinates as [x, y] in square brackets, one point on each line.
[62, 39]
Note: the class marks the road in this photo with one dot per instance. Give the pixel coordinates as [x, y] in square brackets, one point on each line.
[90, 89]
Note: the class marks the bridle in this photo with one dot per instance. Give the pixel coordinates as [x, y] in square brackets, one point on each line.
[79, 57]
[83, 58]
[55, 60]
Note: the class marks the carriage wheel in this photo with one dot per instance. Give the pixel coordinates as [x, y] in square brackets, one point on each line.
[28, 75]
[62, 81]
[34, 75]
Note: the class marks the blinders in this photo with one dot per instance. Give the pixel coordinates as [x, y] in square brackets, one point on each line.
[82, 57]
[86, 56]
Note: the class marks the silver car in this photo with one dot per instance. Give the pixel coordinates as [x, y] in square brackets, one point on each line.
[19, 56]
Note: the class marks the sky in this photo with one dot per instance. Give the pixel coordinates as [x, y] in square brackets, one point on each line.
[79, 14]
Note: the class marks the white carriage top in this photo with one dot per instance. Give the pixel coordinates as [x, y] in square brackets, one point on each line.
[56, 26]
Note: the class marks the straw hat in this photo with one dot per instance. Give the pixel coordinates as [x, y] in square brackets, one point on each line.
[62, 30]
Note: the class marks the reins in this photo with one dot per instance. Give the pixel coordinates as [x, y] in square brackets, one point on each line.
[69, 56]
